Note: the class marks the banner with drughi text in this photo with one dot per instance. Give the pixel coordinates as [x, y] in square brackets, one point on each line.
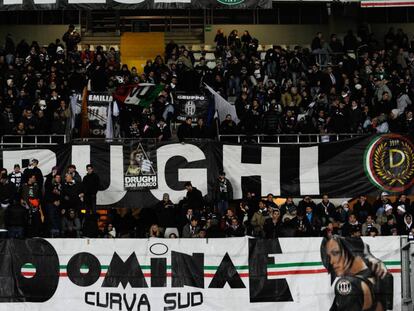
[196, 274]
[347, 168]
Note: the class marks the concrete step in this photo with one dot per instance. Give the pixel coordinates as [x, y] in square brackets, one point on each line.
[185, 37]
[101, 40]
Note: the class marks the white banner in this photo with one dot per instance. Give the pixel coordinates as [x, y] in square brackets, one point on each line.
[170, 274]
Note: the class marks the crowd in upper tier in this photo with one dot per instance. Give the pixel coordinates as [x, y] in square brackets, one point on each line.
[361, 84]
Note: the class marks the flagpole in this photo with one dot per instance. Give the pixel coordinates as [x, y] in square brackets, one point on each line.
[84, 132]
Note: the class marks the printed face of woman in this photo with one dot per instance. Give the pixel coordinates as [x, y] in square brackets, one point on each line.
[336, 258]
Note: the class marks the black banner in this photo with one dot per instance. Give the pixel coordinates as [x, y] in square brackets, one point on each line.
[140, 166]
[98, 104]
[194, 106]
[129, 5]
[347, 168]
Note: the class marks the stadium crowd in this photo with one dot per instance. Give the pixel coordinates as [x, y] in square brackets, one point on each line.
[360, 85]
[62, 204]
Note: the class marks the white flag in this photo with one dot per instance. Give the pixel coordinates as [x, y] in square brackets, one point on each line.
[73, 103]
[223, 107]
[109, 132]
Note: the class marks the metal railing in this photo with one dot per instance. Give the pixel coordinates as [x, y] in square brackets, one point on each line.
[9, 141]
[286, 138]
[120, 140]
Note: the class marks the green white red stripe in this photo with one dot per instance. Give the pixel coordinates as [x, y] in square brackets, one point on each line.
[385, 3]
[273, 270]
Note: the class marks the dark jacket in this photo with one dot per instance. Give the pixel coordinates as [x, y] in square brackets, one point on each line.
[272, 230]
[223, 190]
[166, 214]
[53, 190]
[195, 199]
[33, 171]
[271, 122]
[15, 216]
[184, 131]
[70, 195]
[200, 132]
[235, 232]
[7, 192]
[91, 183]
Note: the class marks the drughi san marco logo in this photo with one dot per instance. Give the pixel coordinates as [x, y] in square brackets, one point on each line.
[230, 2]
[389, 162]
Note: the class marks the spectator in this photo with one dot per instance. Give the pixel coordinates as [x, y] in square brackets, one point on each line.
[31, 200]
[341, 215]
[221, 41]
[288, 205]
[15, 220]
[270, 201]
[166, 212]
[200, 130]
[273, 227]
[362, 209]
[91, 184]
[246, 39]
[306, 201]
[404, 202]
[235, 229]
[381, 203]
[154, 231]
[192, 230]
[74, 173]
[185, 130]
[335, 44]
[71, 225]
[390, 227]
[72, 194]
[71, 38]
[369, 225]
[382, 217]
[234, 40]
[7, 192]
[33, 170]
[110, 231]
[54, 214]
[258, 220]
[407, 226]
[228, 126]
[350, 41]
[312, 222]
[223, 193]
[325, 210]
[350, 226]
[194, 197]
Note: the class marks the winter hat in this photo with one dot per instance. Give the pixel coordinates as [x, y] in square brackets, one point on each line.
[60, 50]
[401, 208]
[395, 112]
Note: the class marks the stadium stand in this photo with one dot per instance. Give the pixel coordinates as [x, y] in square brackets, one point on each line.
[207, 155]
[332, 88]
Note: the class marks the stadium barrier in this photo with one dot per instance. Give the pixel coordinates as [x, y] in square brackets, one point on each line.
[287, 138]
[10, 141]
